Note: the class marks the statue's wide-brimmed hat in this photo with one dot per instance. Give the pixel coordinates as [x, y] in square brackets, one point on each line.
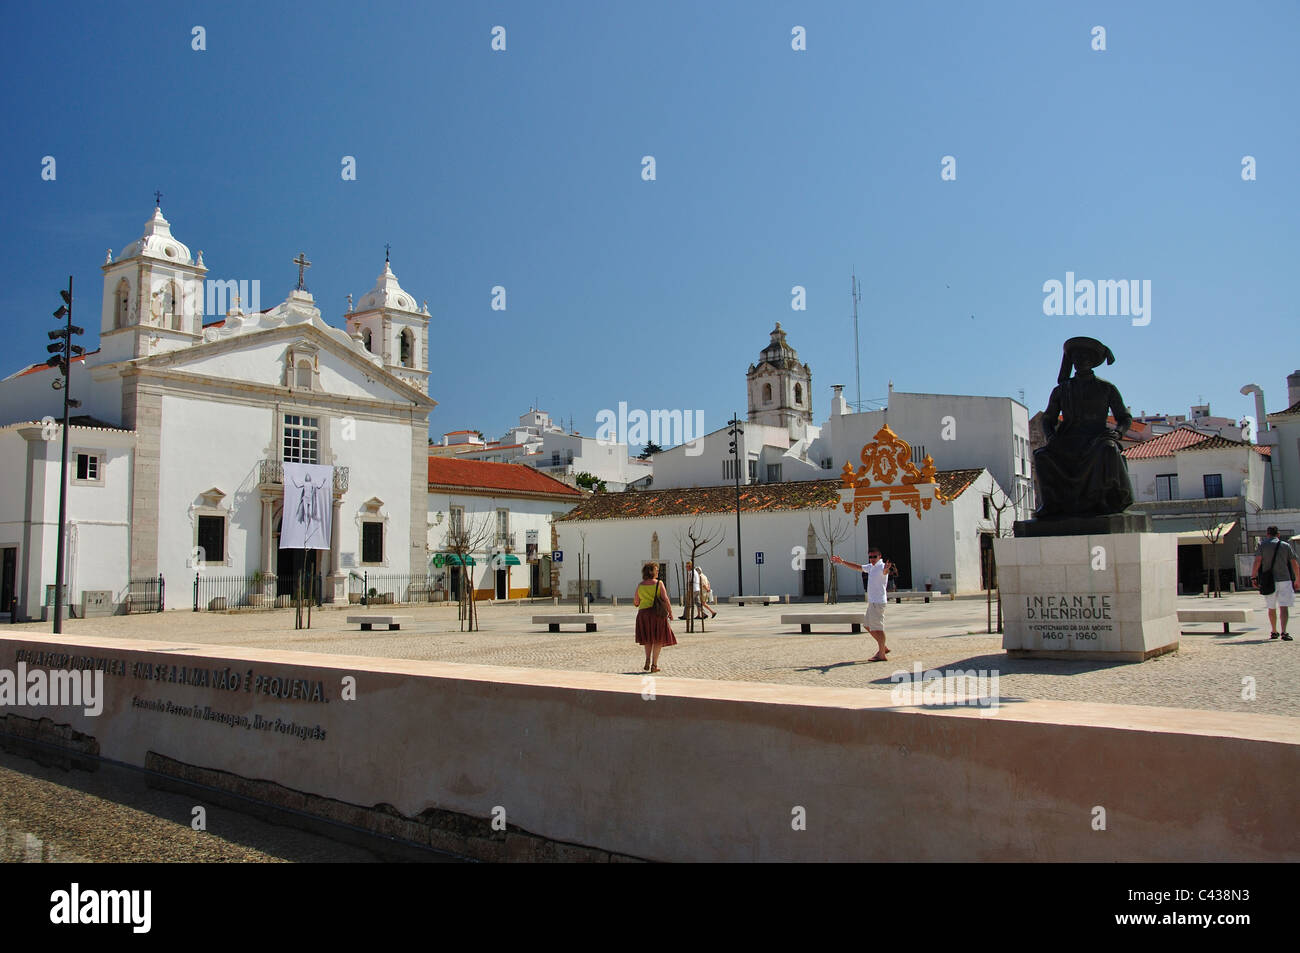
[1083, 350]
[1093, 349]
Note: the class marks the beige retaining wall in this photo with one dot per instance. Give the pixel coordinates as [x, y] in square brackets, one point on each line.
[705, 770]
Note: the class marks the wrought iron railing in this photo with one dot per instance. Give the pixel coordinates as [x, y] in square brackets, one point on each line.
[370, 588]
[272, 471]
[145, 595]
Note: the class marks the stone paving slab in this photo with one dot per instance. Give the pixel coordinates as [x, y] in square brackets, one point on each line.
[1208, 672]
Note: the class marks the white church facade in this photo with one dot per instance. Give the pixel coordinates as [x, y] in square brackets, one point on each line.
[177, 450]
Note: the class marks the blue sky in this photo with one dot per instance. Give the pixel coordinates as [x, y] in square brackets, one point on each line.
[774, 168]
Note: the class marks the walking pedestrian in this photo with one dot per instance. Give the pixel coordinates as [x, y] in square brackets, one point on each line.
[1274, 574]
[874, 577]
[693, 593]
[707, 596]
[654, 610]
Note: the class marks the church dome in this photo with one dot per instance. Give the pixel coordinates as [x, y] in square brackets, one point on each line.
[157, 242]
[778, 352]
[387, 293]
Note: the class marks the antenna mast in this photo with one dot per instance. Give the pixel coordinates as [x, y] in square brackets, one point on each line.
[857, 365]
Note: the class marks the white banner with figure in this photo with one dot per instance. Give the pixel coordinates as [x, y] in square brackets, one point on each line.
[308, 491]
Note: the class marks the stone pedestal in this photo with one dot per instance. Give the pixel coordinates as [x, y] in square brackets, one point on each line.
[336, 588]
[1106, 597]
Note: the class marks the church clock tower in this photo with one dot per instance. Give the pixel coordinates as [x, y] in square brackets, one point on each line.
[780, 391]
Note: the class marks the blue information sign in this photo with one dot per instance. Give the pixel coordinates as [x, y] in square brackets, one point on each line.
[557, 556]
[758, 559]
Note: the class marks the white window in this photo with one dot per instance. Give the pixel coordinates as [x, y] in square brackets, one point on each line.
[88, 468]
[456, 520]
[301, 439]
[1167, 486]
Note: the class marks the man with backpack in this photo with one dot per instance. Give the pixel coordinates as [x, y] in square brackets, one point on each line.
[1274, 573]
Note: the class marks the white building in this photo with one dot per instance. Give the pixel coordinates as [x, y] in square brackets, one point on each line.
[191, 426]
[540, 444]
[515, 506]
[1202, 488]
[790, 524]
[780, 443]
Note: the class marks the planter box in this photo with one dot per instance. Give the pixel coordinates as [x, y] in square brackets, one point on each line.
[354, 598]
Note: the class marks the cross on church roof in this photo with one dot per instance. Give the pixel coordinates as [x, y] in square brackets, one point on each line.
[157, 199]
[302, 263]
[386, 248]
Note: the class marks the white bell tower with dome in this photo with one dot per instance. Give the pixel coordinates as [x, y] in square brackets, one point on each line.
[153, 295]
[388, 324]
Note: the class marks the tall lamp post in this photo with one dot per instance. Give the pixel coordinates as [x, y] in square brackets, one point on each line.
[737, 430]
[63, 350]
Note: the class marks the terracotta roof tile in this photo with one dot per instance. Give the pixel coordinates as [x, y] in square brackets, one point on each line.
[756, 498]
[479, 474]
[1165, 444]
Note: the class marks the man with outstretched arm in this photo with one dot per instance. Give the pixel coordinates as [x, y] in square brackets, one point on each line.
[875, 577]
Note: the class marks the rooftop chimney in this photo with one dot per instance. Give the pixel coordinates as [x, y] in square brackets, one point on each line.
[1292, 388]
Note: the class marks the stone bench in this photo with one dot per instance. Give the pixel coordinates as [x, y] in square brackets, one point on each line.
[806, 620]
[553, 622]
[899, 595]
[367, 622]
[1225, 616]
[741, 600]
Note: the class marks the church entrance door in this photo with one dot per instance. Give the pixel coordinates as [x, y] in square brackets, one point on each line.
[8, 579]
[891, 533]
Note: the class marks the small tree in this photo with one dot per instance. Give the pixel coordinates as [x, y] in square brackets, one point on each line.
[589, 482]
[1214, 530]
[697, 540]
[650, 450]
[466, 536]
[834, 529]
[1004, 507]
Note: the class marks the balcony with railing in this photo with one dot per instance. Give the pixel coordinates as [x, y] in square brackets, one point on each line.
[271, 472]
[506, 541]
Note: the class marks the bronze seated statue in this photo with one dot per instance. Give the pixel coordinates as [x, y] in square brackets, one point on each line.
[1081, 471]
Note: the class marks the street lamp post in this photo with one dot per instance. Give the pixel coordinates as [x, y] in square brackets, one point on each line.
[63, 350]
[737, 430]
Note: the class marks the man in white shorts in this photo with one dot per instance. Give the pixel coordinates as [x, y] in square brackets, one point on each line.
[1276, 556]
[875, 576]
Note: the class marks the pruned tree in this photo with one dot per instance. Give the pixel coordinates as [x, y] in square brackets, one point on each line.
[834, 529]
[1004, 506]
[693, 541]
[582, 581]
[466, 536]
[1214, 530]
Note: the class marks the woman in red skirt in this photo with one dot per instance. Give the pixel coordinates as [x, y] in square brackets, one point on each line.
[652, 628]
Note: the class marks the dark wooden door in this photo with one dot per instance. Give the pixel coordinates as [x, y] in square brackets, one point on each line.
[891, 533]
[8, 579]
[814, 578]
